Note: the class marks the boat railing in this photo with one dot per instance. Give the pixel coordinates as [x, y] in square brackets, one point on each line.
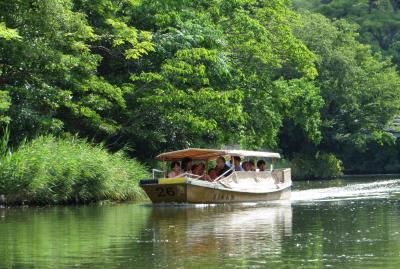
[154, 171]
[187, 175]
[190, 175]
[225, 173]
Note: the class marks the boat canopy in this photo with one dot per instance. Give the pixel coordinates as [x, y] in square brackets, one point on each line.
[203, 154]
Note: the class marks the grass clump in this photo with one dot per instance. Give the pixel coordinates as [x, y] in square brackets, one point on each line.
[51, 170]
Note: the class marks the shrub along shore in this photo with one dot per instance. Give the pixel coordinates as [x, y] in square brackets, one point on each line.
[51, 170]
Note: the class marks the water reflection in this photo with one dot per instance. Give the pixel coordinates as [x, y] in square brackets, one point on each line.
[213, 235]
[56, 237]
[323, 226]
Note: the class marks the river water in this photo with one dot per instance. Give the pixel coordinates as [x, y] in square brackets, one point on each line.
[330, 224]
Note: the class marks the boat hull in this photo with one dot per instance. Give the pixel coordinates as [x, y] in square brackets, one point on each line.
[187, 192]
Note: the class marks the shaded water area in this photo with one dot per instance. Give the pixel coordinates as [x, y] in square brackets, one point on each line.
[331, 224]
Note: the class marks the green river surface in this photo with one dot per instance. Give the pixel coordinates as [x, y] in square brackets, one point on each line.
[330, 224]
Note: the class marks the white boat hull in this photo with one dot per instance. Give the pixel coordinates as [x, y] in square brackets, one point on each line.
[202, 192]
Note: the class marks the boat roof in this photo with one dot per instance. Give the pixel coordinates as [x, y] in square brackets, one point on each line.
[202, 154]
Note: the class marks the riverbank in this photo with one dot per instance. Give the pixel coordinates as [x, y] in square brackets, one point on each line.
[53, 171]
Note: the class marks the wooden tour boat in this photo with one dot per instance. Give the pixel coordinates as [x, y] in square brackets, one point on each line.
[232, 186]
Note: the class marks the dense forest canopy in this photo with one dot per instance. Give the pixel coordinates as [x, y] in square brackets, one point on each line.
[150, 76]
[361, 103]
[379, 21]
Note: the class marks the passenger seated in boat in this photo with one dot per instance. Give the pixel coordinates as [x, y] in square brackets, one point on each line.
[212, 175]
[261, 165]
[236, 163]
[252, 165]
[198, 169]
[221, 167]
[175, 170]
[187, 165]
[246, 166]
[202, 168]
[195, 169]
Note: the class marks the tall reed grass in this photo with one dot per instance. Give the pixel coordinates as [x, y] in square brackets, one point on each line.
[51, 170]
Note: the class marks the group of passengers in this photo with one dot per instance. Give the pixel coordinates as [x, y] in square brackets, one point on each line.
[250, 166]
[222, 168]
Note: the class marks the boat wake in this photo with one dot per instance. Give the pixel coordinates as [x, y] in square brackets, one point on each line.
[351, 191]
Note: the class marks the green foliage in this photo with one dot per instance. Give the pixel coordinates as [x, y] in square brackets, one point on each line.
[51, 71]
[361, 91]
[155, 75]
[322, 165]
[301, 101]
[210, 80]
[161, 75]
[4, 106]
[7, 33]
[379, 20]
[377, 157]
[57, 171]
